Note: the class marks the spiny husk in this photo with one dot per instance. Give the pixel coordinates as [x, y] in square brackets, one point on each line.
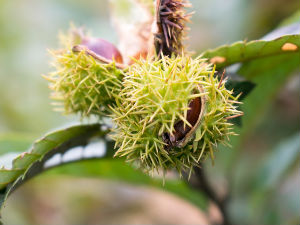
[155, 96]
[82, 84]
[171, 19]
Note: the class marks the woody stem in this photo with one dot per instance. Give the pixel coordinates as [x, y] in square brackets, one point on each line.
[200, 182]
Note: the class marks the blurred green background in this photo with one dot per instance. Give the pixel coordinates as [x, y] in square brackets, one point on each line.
[264, 179]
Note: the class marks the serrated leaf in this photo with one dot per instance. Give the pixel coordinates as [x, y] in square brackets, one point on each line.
[243, 51]
[268, 74]
[24, 161]
[58, 141]
[7, 176]
[29, 164]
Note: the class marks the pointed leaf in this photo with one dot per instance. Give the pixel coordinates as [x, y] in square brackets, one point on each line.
[33, 160]
[243, 51]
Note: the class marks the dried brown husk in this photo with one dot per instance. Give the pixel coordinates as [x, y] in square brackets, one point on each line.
[170, 26]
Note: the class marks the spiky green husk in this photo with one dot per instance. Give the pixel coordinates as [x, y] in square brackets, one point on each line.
[155, 96]
[83, 85]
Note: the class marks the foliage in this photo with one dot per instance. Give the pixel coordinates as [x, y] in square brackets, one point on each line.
[244, 51]
[32, 161]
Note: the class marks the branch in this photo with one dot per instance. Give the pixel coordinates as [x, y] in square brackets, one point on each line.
[200, 182]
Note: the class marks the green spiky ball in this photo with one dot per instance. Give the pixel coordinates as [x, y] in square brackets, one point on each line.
[155, 96]
[83, 85]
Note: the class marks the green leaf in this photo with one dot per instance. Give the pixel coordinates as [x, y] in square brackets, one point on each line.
[32, 162]
[278, 162]
[278, 53]
[117, 169]
[269, 74]
[243, 51]
[61, 142]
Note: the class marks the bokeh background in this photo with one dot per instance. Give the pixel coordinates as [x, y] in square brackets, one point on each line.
[29, 27]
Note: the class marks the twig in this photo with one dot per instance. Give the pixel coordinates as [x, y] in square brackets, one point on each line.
[201, 183]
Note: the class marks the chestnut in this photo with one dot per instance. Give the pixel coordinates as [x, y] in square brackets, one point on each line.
[100, 49]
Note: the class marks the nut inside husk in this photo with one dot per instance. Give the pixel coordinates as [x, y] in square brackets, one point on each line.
[183, 132]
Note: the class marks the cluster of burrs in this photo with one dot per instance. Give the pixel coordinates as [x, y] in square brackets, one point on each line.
[169, 110]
